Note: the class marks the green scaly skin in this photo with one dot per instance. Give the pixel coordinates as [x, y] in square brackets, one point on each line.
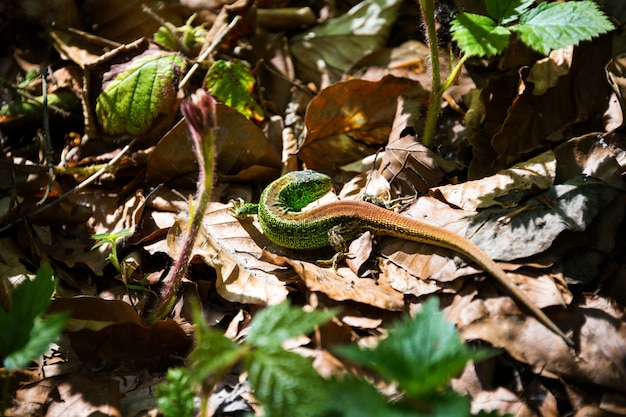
[337, 223]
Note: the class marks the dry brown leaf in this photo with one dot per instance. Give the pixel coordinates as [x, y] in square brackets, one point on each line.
[124, 21]
[234, 249]
[502, 401]
[343, 121]
[345, 285]
[545, 73]
[244, 152]
[113, 331]
[79, 395]
[516, 125]
[504, 189]
[598, 329]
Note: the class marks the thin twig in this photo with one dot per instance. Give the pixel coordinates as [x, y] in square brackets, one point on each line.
[79, 187]
[210, 49]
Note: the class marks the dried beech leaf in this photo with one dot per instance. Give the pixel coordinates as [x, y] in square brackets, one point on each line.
[598, 330]
[572, 206]
[113, 330]
[346, 286]
[504, 189]
[341, 41]
[343, 120]
[244, 151]
[225, 243]
[545, 73]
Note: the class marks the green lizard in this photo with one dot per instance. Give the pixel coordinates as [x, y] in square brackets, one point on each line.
[337, 223]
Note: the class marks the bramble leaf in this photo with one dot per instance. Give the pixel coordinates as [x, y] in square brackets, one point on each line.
[506, 11]
[137, 93]
[214, 352]
[233, 83]
[175, 398]
[557, 25]
[286, 383]
[275, 324]
[479, 35]
[24, 336]
[42, 334]
[422, 354]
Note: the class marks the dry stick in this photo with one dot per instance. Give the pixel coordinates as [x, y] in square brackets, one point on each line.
[79, 187]
[47, 139]
[210, 49]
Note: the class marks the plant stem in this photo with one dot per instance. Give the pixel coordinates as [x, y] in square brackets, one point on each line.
[200, 117]
[435, 102]
[428, 19]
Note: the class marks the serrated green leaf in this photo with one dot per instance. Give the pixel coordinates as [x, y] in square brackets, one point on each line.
[213, 353]
[28, 301]
[422, 353]
[143, 91]
[354, 397]
[42, 334]
[478, 35]
[285, 383]
[275, 324]
[557, 25]
[233, 83]
[175, 396]
[506, 11]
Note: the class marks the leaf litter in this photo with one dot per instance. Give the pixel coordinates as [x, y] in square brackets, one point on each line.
[531, 134]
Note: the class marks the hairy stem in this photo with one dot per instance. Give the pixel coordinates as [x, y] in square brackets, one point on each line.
[200, 116]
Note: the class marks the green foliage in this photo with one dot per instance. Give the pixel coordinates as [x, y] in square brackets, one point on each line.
[138, 93]
[420, 355]
[278, 323]
[25, 334]
[543, 28]
[233, 83]
[180, 38]
[111, 239]
[175, 398]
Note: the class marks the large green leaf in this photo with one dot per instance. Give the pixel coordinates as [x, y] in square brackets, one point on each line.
[421, 354]
[42, 334]
[278, 323]
[557, 25]
[285, 383]
[479, 35]
[137, 93]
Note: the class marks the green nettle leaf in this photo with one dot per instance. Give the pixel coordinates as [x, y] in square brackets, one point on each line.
[24, 335]
[137, 93]
[479, 35]
[42, 334]
[351, 396]
[285, 383]
[557, 25]
[213, 353]
[506, 11]
[233, 83]
[275, 324]
[422, 354]
[175, 397]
